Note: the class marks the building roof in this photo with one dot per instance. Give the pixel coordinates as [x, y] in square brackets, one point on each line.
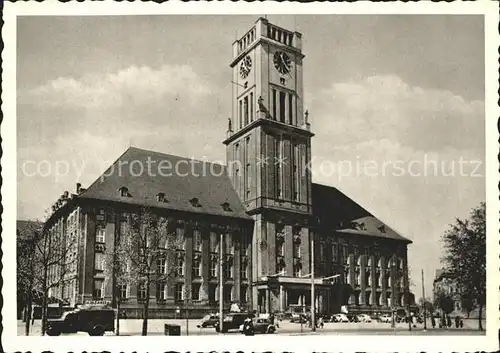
[25, 229]
[186, 184]
[335, 210]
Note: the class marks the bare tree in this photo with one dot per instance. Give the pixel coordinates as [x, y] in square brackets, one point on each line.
[26, 278]
[151, 247]
[53, 261]
[117, 267]
[465, 256]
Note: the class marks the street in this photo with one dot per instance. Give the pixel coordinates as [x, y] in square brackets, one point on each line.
[133, 327]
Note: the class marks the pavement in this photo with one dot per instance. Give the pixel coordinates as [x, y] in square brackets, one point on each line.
[133, 327]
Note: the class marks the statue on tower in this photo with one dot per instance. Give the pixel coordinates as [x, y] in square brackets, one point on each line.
[229, 125]
[260, 102]
[306, 116]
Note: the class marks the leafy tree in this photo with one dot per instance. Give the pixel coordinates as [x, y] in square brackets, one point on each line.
[444, 302]
[149, 245]
[465, 255]
[468, 303]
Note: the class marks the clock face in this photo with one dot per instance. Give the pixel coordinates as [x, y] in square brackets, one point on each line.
[282, 62]
[245, 66]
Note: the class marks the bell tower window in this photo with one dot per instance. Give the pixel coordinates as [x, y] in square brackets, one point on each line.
[274, 104]
[277, 165]
[240, 115]
[251, 106]
[282, 106]
[245, 110]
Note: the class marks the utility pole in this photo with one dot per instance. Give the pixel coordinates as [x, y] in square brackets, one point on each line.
[313, 297]
[425, 307]
[221, 284]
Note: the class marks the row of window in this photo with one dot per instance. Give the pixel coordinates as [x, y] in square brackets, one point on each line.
[181, 292]
[181, 240]
[245, 156]
[246, 110]
[282, 106]
[292, 158]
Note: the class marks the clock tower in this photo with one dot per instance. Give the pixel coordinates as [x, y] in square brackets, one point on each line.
[269, 152]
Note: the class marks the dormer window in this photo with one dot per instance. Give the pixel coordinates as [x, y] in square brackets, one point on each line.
[382, 229]
[123, 191]
[195, 202]
[160, 197]
[226, 207]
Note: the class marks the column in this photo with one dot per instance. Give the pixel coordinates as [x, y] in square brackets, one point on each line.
[205, 264]
[374, 284]
[188, 267]
[305, 250]
[271, 248]
[282, 298]
[362, 269]
[236, 268]
[352, 275]
[383, 280]
[289, 250]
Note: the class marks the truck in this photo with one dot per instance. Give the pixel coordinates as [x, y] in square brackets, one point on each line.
[94, 321]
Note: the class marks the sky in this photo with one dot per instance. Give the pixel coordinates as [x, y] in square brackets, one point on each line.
[384, 90]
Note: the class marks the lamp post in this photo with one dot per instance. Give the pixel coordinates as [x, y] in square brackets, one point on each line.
[221, 284]
[313, 298]
[423, 302]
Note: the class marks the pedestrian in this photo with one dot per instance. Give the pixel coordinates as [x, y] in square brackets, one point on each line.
[457, 321]
[448, 321]
[321, 323]
[433, 321]
[271, 318]
[461, 323]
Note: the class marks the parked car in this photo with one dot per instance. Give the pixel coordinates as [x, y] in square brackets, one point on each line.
[385, 318]
[364, 318]
[298, 317]
[259, 325]
[208, 321]
[352, 317]
[94, 321]
[339, 318]
[231, 321]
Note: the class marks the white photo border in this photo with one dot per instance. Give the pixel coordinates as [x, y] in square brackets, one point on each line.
[346, 343]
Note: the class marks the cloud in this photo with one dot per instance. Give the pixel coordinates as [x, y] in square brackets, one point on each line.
[87, 122]
[381, 107]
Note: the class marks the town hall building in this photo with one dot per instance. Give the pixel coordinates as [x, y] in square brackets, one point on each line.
[263, 202]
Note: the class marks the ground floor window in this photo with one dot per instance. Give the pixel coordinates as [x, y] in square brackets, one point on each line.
[195, 291]
[243, 294]
[162, 291]
[212, 290]
[141, 291]
[124, 291]
[179, 292]
[227, 293]
[98, 288]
